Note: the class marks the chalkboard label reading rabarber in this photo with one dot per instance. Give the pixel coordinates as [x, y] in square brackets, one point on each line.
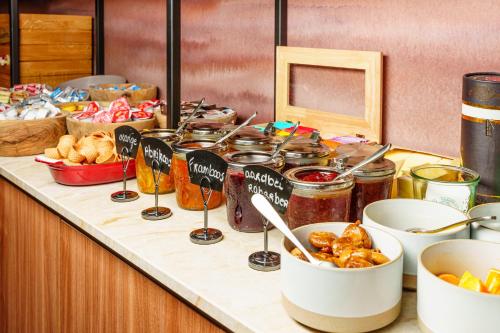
[276, 188]
[203, 163]
[155, 149]
[128, 137]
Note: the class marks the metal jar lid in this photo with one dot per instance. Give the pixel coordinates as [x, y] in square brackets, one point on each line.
[204, 128]
[293, 175]
[482, 89]
[380, 168]
[166, 135]
[305, 148]
[187, 146]
[250, 136]
[241, 159]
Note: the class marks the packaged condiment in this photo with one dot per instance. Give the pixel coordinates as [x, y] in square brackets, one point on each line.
[318, 196]
[251, 139]
[480, 135]
[204, 131]
[241, 214]
[372, 182]
[188, 195]
[145, 180]
[302, 151]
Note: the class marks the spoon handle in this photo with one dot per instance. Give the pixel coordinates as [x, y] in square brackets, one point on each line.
[265, 208]
[378, 154]
[288, 138]
[243, 124]
[458, 224]
[195, 111]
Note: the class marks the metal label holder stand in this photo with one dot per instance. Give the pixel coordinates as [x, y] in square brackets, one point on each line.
[125, 195]
[156, 213]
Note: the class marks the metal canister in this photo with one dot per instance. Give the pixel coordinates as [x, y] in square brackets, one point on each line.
[480, 137]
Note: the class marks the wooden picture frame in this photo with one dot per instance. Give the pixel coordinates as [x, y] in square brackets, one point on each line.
[370, 125]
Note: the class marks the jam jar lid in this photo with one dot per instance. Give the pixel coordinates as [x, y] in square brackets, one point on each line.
[204, 128]
[166, 135]
[305, 148]
[191, 145]
[379, 168]
[318, 177]
[240, 159]
[250, 136]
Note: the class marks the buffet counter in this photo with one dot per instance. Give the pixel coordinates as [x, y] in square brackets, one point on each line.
[205, 288]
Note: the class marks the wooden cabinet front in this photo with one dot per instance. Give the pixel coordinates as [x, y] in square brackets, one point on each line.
[53, 278]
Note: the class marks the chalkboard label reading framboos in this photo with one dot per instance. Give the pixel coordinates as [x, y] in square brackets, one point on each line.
[129, 138]
[202, 163]
[271, 184]
[156, 149]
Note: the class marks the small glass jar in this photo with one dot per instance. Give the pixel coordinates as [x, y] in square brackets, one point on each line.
[204, 131]
[302, 151]
[188, 195]
[450, 185]
[241, 214]
[251, 139]
[144, 174]
[317, 196]
[373, 182]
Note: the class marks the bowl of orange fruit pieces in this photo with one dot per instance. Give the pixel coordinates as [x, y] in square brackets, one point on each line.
[458, 287]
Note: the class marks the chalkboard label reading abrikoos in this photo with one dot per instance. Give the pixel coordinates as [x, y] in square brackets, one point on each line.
[155, 149]
[271, 184]
[203, 163]
[129, 137]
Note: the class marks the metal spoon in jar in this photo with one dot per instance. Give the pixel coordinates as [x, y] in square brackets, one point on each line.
[282, 145]
[451, 226]
[378, 154]
[228, 135]
[265, 208]
[181, 127]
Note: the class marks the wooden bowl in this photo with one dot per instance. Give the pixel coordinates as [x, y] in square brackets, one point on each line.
[146, 93]
[79, 128]
[30, 137]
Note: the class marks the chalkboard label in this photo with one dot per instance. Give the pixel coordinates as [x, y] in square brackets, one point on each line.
[155, 149]
[128, 137]
[271, 184]
[203, 163]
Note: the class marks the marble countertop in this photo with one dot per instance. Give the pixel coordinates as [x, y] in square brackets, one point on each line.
[216, 279]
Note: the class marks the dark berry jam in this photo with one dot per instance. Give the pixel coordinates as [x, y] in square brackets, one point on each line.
[367, 191]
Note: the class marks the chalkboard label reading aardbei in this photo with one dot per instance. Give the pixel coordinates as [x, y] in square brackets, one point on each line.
[128, 137]
[271, 184]
[155, 149]
[203, 163]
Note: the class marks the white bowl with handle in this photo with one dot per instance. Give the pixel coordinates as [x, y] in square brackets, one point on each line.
[342, 299]
[395, 216]
[446, 308]
[482, 233]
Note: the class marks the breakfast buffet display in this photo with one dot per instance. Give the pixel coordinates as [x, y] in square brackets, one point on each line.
[338, 198]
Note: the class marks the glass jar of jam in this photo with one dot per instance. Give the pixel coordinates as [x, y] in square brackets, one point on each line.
[144, 174]
[318, 196]
[301, 151]
[188, 195]
[372, 182]
[251, 139]
[241, 214]
[204, 131]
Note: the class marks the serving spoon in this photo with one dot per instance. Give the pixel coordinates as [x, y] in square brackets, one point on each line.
[265, 208]
[181, 127]
[228, 135]
[378, 154]
[453, 225]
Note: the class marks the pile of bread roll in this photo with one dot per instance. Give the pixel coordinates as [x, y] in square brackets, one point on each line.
[97, 147]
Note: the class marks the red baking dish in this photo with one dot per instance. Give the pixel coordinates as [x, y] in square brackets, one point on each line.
[92, 174]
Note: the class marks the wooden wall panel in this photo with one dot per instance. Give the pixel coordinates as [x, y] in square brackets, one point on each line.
[54, 279]
[228, 54]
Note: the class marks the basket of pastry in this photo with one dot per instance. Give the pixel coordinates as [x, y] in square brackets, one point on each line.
[90, 160]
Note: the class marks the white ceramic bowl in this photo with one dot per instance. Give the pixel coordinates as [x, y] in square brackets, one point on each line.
[397, 215]
[342, 299]
[481, 233]
[446, 308]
